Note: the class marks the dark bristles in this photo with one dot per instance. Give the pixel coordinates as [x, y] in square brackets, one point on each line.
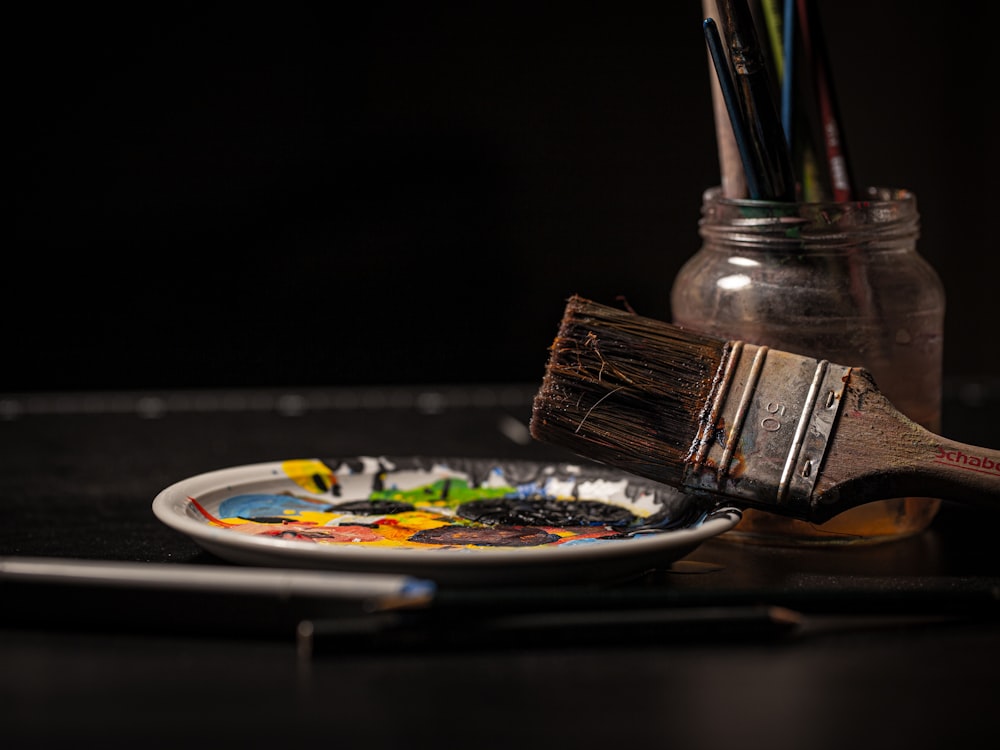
[626, 390]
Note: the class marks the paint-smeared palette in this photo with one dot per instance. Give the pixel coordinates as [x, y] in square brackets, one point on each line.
[456, 520]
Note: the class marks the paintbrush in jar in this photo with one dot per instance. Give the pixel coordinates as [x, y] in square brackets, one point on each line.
[817, 63]
[740, 128]
[757, 101]
[731, 156]
[742, 424]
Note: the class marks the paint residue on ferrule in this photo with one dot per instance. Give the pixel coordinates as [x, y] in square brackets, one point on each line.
[767, 429]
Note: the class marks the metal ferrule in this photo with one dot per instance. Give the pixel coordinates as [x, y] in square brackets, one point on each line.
[765, 434]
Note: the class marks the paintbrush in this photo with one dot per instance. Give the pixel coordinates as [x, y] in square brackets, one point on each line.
[741, 424]
[733, 179]
[752, 77]
[817, 62]
[781, 25]
[740, 128]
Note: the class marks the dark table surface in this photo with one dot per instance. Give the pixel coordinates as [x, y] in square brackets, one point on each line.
[898, 644]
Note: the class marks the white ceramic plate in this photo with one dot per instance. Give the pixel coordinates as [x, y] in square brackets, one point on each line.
[454, 520]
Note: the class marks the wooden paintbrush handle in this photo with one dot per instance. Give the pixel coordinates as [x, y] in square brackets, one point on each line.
[973, 470]
[877, 453]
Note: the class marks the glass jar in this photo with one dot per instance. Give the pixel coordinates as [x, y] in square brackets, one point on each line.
[835, 281]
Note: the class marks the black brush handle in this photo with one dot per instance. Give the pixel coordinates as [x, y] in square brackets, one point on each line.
[741, 133]
[768, 147]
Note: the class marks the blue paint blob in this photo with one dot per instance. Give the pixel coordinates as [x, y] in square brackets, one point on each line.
[261, 505]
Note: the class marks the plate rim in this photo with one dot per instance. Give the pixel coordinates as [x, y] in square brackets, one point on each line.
[166, 507]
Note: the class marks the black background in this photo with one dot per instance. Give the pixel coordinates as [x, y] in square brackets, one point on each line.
[407, 193]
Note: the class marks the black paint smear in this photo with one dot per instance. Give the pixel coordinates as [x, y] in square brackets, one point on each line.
[372, 507]
[320, 482]
[489, 536]
[542, 511]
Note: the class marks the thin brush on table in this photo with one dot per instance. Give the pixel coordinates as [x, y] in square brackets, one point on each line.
[744, 424]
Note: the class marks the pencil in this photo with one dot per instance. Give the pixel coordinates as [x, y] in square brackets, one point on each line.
[739, 423]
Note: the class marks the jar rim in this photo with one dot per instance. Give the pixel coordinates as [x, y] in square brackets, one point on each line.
[889, 215]
[874, 196]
